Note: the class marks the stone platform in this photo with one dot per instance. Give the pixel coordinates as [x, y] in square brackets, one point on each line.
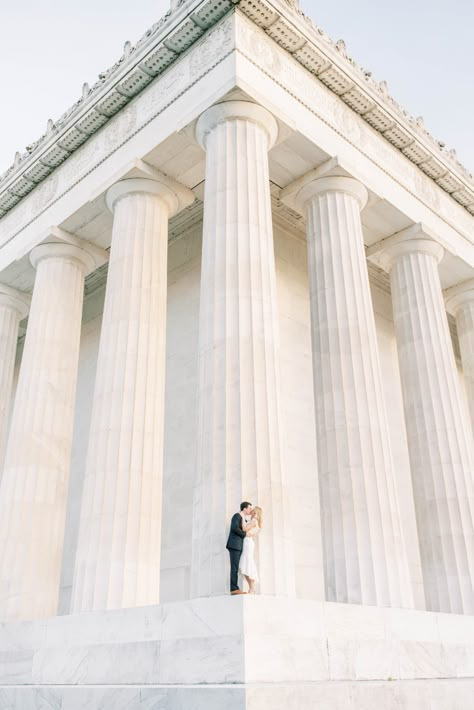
[225, 653]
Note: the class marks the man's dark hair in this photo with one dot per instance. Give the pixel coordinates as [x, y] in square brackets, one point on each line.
[244, 505]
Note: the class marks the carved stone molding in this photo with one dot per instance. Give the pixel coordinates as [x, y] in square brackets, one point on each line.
[122, 127]
[182, 26]
[257, 48]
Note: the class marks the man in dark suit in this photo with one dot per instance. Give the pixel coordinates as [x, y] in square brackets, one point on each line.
[235, 544]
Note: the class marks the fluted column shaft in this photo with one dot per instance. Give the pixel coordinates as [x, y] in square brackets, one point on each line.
[33, 492]
[365, 560]
[439, 444]
[13, 307]
[240, 430]
[460, 300]
[119, 546]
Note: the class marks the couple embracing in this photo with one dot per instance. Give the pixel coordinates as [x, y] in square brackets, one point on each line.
[244, 528]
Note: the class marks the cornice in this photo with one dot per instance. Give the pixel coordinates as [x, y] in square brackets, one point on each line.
[175, 33]
[139, 65]
[331, 64]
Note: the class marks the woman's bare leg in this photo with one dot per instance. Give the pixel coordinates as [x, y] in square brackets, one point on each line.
[251, 586]
[249, 581]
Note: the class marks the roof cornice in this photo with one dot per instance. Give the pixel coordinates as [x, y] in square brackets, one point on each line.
[175, 33]
[138, 66]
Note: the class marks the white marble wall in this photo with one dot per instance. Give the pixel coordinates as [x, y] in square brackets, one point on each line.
[298, 409]
[180, 418]
[184, 271]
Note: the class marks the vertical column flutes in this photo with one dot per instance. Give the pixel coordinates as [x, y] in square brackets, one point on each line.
[460, 301]
[119, 545]
[364, 552]
[33, 491]
[240, 429]
[439, 442]
[14, 306]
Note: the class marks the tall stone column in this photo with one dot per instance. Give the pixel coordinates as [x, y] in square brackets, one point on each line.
[14, 306]
[439, 444]
[33, 491]
[119, 546]
[365, 560]
[240, 430]
[460, 302]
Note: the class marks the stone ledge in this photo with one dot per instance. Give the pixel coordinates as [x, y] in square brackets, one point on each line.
[342, 695]
[224, 640]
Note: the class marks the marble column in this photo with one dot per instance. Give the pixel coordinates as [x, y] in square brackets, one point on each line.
[240, 429]
[33, 491]
[440, 445]
[14, 306]
[460, 302]
[119, 545]
[364, 552]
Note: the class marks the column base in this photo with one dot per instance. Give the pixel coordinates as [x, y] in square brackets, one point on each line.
[240, 653]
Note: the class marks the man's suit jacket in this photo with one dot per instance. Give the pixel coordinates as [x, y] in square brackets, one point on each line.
[236, 534]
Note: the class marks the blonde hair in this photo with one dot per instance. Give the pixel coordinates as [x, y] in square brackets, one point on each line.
[258, 514]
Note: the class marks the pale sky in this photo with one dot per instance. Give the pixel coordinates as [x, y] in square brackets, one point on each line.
[422, 48]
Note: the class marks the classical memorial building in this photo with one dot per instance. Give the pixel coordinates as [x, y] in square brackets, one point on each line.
[236, 269]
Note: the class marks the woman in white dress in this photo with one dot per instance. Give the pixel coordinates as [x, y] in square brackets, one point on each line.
[247, 566]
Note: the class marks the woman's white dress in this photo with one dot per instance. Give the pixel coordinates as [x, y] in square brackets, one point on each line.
[247, 564]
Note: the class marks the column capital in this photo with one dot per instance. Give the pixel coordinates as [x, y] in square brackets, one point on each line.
[298, 194]
[335, 183]
[414, 239]
[61, 250]
[16, 300]
[458, 295]
[174, 195]
[231, 110]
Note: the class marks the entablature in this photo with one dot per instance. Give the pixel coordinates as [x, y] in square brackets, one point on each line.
[182, 26]
[157, 126]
